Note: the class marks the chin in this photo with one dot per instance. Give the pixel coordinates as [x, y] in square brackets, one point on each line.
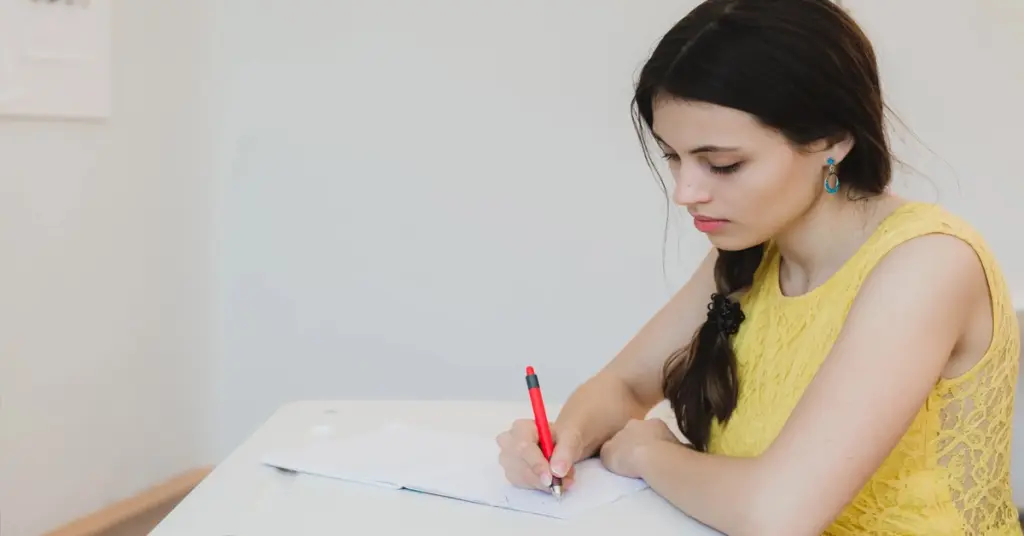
[731, 243]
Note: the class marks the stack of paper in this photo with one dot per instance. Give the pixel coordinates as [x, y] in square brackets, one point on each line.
[459, 466]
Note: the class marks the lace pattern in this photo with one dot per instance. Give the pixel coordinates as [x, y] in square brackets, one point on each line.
[950, 473]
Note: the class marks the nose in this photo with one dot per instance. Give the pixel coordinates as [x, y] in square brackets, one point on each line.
[689, 192]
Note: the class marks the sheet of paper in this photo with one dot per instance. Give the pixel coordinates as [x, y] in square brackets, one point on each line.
[458, 466]
[385, 457]
[359, 459]
[486, 484]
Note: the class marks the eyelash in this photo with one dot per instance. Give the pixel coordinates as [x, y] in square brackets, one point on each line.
[725, 170]
[718, 170]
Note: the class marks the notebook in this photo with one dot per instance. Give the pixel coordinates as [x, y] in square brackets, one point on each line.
[459, 466]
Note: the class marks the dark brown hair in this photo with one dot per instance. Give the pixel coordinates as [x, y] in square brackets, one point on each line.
[802, 68]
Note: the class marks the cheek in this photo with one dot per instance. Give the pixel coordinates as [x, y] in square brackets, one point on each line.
[770, 198]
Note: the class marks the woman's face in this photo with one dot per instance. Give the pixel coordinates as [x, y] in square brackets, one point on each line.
[742, 183]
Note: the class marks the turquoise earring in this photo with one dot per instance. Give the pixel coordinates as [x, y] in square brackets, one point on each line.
[831, 175]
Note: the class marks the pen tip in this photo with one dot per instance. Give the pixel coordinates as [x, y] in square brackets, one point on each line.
[557, 492]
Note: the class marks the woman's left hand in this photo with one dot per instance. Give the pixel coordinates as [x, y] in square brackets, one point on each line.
[621, 454]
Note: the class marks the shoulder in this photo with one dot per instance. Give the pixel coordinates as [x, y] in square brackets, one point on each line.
[932, 250]
[927, 244]
[934, 280]
[916, 218]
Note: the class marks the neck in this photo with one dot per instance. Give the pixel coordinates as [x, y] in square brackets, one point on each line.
[817, 244]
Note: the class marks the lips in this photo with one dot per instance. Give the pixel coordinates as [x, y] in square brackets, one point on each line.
[705, 224]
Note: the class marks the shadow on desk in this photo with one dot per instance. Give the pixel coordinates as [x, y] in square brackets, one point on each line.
[136, 515]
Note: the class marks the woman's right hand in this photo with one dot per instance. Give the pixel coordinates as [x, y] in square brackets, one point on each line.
[524, 463]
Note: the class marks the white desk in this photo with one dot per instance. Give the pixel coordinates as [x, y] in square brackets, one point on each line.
[243, 497]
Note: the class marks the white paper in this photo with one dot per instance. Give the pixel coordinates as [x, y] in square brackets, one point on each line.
[458, 466]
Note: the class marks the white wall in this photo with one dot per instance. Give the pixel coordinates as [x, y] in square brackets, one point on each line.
[952, 72]
[395, 179]
[394, 186]
[104, 284]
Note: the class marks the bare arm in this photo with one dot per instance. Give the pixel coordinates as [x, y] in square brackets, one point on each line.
[901, 331]
[630, 385]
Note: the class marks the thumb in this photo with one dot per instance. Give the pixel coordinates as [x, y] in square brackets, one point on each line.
[568, 447]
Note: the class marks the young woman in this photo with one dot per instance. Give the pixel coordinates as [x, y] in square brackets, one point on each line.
[843, 361]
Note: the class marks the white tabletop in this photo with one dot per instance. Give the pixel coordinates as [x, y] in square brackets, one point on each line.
[243, 497]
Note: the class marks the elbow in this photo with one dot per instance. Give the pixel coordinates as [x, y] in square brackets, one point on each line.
[773, 510]
[774, 527]
[776, 523]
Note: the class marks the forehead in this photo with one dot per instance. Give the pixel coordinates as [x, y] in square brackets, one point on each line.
[686, 124]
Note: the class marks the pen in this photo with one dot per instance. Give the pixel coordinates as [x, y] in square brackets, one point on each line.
[547, 446]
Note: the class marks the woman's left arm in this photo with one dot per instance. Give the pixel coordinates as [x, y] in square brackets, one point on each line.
[899, 334]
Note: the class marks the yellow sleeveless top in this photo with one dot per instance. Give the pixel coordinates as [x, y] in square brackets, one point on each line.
[950, 473]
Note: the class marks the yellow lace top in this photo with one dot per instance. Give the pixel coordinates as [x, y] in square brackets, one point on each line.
[950, 473]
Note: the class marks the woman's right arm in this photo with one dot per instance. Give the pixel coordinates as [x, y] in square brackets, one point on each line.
[626, 388]
[630, 384]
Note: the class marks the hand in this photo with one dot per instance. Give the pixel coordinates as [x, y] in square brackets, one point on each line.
[621, 454]
[524, 463]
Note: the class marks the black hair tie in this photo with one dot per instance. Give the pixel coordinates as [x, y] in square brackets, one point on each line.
[725, 313]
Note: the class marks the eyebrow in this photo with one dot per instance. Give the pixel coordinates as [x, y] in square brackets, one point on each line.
[702, 148]
[713, 149]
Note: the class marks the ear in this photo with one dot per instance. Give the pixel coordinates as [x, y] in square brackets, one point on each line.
[838, 149]
[833, 147]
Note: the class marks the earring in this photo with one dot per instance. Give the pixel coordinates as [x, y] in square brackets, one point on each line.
[831, 175]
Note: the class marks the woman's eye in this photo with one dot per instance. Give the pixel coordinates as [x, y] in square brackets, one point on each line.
[725, 170]
[671, 157]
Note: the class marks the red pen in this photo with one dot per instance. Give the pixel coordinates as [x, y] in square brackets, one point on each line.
[540, 416]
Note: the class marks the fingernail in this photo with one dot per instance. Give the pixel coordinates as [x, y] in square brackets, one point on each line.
[545, 479]
[559, 468]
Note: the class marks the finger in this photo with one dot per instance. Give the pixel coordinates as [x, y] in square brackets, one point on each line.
[604, 455]
[607, 455]
[521, 456]
[515, 471]
[505, 440]
[570, 478]
[567, 452]
[521, 474]
[525, 429]
[534, 459]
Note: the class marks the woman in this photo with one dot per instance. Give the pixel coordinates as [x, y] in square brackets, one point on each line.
[854, 369]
